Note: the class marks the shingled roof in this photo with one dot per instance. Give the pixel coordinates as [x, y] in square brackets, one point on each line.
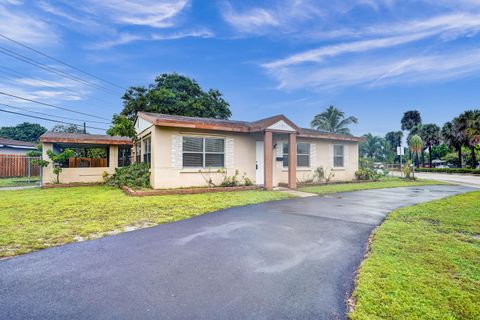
[168, 120]
[62, 137]
[16, 143]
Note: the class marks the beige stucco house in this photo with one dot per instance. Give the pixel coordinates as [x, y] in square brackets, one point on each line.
[187, 151]
[183, 151]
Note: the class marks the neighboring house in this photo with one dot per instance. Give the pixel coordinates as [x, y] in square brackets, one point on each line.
[96, 154]
[187, 151]
[15, 147]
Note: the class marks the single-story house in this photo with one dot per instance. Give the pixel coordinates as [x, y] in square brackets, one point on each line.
[95, 154]
[187, 151]
[15, 147]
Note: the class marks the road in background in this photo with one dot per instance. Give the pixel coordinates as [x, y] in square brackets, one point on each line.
[460, 179]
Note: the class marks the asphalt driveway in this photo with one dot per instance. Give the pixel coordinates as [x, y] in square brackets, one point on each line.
[290, 259]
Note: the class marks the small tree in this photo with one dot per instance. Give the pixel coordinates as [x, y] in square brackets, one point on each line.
[57, 159]
[416, 145]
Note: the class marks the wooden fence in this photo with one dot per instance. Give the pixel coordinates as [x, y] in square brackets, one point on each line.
[87, 162]
[12, 165]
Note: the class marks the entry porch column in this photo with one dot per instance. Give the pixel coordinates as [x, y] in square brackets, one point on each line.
[292, 161]
[268, 160]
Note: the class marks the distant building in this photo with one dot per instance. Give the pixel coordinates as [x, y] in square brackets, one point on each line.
[10, 146]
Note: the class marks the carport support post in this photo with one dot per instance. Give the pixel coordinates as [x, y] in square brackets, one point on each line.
[292, 161]
[268, 160]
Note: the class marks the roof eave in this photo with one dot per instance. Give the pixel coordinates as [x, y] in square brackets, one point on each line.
[331, 137]
[84, 141]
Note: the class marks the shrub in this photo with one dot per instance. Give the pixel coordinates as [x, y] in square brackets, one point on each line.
[367, 171]
[407, 169]
[449, 170]
[136, 175]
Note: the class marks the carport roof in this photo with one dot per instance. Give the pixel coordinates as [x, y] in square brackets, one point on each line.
[61, 137]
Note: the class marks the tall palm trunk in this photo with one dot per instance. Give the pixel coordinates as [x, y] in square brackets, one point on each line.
[474, 158]
[460, 157]
[430, 155]
[417, 160]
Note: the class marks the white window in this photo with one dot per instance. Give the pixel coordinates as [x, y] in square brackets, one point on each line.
[147, 150]
[138, 152]
[303, 154]
[203, 152]
[338, 156]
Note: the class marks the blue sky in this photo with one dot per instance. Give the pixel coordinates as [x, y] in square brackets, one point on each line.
[372, 59]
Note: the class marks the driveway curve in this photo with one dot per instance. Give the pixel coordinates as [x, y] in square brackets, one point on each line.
[289, 259]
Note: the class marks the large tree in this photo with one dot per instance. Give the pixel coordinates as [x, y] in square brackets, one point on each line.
[452, 139]
[26, 131]
[333, 120]
[71, 128]
[122, 126]
[465, 126]
[430, 134]
[175, 94]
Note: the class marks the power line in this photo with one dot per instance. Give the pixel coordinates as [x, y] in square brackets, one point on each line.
[50, 115]
[11, 73]
[50, 105]
[43, 66]
[58, 121]
[60, 61]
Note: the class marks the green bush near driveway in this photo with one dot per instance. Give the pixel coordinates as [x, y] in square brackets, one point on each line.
[355, 186]
[424, 263]
[33, 219]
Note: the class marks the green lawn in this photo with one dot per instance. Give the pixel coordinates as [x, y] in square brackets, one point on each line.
[354, 186]
[14, 182]
[424, 263]
[33, 219]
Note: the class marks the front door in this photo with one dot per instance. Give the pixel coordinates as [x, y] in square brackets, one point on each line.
[259, 163]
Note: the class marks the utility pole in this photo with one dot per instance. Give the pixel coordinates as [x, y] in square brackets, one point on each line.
[84, 128]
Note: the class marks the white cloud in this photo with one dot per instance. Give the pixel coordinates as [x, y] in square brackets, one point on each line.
[319, 54]
[126, 38]
[152, 13]
[25, 27]
[385, 70]
[201, 33]
[250, 20]
[448, 27]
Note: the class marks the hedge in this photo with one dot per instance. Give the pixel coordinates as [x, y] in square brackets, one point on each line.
[449, 170]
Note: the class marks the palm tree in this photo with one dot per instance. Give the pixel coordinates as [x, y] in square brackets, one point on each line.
[394, 138]
[415, 144]
[450, 138]
[411, 121]
[333, 120]
[372, 147]
[430, 134]
[467, 130]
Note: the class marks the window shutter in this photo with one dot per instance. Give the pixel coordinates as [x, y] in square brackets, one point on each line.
[177, 152]
[330, 156]
[280, 153]
[345, 155]
[229, 155]
[313, 155]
